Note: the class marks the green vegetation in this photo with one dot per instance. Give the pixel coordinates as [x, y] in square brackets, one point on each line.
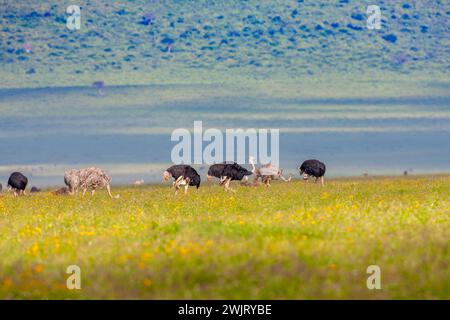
[236, 42]
[293, 240]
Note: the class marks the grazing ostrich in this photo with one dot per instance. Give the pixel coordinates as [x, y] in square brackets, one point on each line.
[18, 182]
[35, 189]
[267, 172]
[89, 178]
[175, 172]
[227, 172]
[61, 191]
[313, 168]
[216, 170]
[72, 181]
[183, 175]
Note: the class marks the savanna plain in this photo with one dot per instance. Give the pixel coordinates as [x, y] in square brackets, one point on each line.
[290, 241]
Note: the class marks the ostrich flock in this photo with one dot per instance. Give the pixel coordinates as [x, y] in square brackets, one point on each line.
[183, 175]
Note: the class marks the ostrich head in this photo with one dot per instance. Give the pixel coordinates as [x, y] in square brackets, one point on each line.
[166, 175]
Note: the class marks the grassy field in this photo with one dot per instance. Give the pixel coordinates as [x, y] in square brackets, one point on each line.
[290, 241]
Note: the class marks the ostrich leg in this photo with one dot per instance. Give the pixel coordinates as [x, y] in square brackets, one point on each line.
[223, 179]
[176, 184]
[266, 181]
[227, 185]
[321, 181]
[108, 188]
[284, 179]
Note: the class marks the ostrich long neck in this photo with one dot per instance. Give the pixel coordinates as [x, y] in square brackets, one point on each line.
[252, 163]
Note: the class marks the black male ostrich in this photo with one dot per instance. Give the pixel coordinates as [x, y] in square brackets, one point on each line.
[313, 168]
[18, 182]
[34, 189]
[183, 175]
[216, 170]
[234, 172]
[228, 172]
[175, 172]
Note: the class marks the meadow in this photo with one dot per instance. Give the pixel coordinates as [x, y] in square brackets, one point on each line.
[291, 241]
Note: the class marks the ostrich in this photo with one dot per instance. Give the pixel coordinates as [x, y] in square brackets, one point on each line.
[61, 191]
[183, 175]
[99, 85]
[18, 182]
[267, 172]
[88, 178]
[313, 168]
[175, 172]
[216, 170]
[35, 189]
[72, 181]
[228, 172]
[234, 172]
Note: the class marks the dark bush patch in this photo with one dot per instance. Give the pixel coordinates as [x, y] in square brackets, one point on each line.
[424, 29]
[357, 16]
[167, 40]
[390, 38]
[353, 27]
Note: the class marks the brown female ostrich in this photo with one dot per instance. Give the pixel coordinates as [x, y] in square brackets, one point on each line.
[267, 172]
[88, 178]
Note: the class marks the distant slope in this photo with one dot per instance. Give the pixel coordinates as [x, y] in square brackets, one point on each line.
[144, 42]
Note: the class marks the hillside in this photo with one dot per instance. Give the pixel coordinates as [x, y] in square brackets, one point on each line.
[151, 42]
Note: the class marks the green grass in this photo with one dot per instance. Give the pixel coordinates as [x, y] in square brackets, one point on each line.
[292, 241]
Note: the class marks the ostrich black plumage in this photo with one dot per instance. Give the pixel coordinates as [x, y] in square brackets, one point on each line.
[228, 172]
[175, 171]
[183, 175]
[234, 172]
[313, 168]
[216, 170]
[18, 182]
